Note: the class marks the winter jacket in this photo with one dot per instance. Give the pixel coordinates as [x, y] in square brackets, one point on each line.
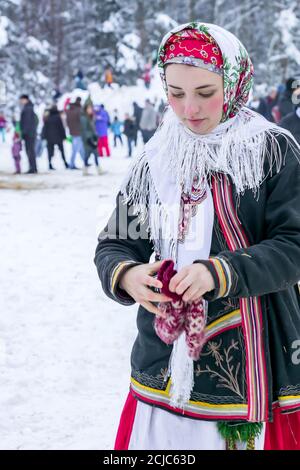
[250, 362]
[116, 127]
[73, 119]
[292, 123]
[102, 121]
[149, 118]
[28, 121]
[265, 107]
[137, 112]
[129, 128]
[285, 104]
[88, 134]
[53, 130]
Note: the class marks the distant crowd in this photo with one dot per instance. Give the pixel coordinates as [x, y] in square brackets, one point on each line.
[86, 126]
[282, 106]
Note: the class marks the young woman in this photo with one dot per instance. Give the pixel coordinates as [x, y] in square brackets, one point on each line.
[217, 193]
[89, 137]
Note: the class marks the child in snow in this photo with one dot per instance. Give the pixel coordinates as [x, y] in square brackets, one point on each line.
[116, 130]
[215, 196]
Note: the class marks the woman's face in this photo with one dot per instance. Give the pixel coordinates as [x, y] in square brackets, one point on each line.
[196, 96]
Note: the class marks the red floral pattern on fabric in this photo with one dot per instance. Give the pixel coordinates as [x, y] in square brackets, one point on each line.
[188, 207]
[195, 320]
[191, 43]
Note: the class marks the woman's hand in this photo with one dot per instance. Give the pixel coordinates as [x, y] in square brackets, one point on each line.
[136, 282]
[193, 281]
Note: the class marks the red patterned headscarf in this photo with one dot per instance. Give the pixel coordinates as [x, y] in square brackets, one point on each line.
[192, 47]
[215, 49]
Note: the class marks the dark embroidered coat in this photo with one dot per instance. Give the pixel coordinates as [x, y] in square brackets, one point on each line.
[245, 369]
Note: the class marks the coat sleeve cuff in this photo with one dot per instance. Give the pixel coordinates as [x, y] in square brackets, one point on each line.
[119, 294]
[223, 276]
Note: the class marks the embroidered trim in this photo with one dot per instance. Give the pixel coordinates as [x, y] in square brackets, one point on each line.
[230, 304]
[257, 386]
[226, 322]
[289, 401]
[115, 276]
[289, 398]
[196, 409]
[231, 400]
[224, 275]
[289, 390]
[158, 382]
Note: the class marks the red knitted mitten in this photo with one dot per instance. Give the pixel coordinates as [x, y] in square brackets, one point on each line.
[165, 274]
[180, 316]
[169, 328]
[195, 320]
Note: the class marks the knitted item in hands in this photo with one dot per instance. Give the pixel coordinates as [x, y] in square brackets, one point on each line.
[179, 315]
[195, 320]
[169, 328]
[164, 275]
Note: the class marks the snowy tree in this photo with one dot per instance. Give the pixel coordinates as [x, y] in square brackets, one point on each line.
[24, 61]
[43, 43]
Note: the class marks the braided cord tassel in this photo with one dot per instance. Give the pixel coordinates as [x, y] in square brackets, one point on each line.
[251, 443]
[234, 432]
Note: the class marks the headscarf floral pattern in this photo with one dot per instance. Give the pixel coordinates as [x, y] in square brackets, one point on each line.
[194, 48]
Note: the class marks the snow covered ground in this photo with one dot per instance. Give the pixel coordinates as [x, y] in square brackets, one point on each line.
[64, 346]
